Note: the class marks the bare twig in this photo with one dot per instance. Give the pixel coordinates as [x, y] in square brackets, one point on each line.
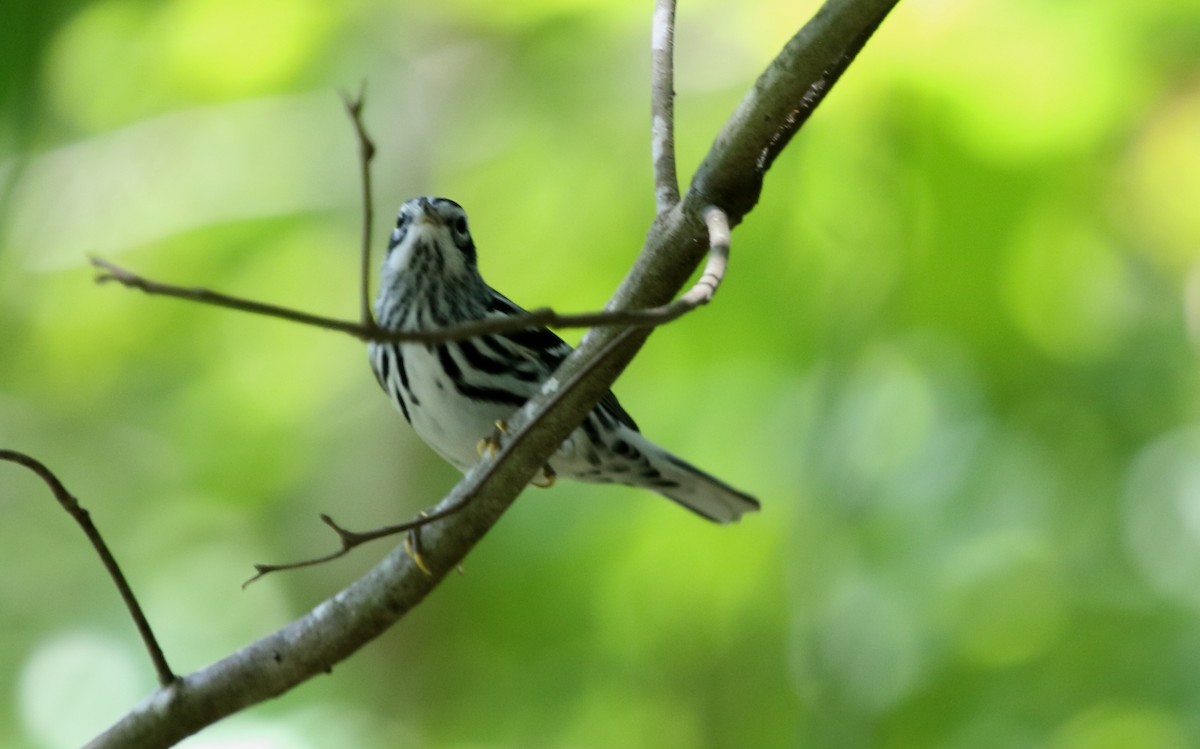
[113, 272]
[366, 152]
[662, 106]
[541, 317]
[718, 260]
[353, 539]
[700, 293]
[69, 503]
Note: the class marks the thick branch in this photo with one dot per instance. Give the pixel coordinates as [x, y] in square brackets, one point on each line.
[84, 519]
[730, 178]
[781, 101]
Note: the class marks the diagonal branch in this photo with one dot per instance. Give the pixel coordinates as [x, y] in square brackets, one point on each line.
[166, 677]
[662, 106]
[782, 100]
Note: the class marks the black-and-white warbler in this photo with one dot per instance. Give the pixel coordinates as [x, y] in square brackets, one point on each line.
[454, 394]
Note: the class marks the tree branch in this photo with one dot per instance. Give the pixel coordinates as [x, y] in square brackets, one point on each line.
[662, 106]
[366, 152]
[166, 677]
[730, 178]
[541, 317]
[781, 101]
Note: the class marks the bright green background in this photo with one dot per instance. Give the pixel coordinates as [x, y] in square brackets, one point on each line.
[955, 357]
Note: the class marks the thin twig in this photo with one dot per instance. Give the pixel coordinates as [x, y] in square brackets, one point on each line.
[662, 106]
[351, 539]
[541, 317]
[112, 272]
[700, 293]
[366, 152]
[69, 503]
[718, 259]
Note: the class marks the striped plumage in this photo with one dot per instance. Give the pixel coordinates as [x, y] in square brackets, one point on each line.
[454, 393]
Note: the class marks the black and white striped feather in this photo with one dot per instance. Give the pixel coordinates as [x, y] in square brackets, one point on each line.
[453, 393]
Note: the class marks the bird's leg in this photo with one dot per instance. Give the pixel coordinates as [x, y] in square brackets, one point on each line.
[490, 445]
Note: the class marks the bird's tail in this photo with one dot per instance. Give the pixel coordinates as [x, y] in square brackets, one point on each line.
[700, 492]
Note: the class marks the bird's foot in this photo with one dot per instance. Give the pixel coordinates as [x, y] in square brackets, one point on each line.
[490, 445]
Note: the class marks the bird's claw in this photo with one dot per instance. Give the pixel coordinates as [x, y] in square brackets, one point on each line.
[412, 547]
[490, 445]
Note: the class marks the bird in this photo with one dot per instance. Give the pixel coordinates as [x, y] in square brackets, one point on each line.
[455, 394]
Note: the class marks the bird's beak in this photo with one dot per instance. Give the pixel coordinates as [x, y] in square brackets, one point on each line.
[428, 215]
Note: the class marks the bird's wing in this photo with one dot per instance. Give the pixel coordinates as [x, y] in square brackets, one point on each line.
[543, 345]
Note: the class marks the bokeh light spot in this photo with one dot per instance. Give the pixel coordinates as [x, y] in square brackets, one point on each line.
[87, 676]
[869, 644]
[1005, 606]
[1158, 195]
[1121, 727]
[882, 420]
[1066, 287]
[236, 47]
[1162, 514]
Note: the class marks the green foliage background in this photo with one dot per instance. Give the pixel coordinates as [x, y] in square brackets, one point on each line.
[955, 358]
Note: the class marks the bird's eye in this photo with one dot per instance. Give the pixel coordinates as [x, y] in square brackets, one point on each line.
[460, 225]
[397, 237]
[402, 222]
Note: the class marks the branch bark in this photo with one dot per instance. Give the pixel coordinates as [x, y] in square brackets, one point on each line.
[729, 178]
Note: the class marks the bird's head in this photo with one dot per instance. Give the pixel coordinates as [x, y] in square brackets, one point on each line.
[431, 238]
